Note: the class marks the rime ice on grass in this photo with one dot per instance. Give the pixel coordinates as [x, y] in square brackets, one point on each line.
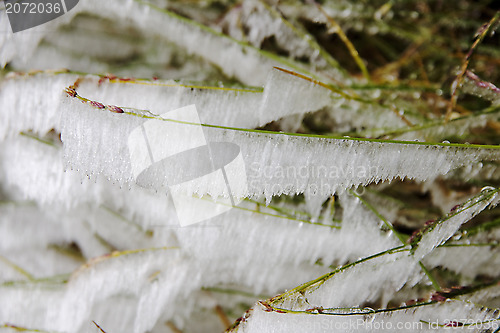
[330, 237]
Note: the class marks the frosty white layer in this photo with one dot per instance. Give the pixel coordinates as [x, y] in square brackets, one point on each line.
[469, 261]
[260, 22]
[25, 160]
[31, 103]
[28, 159]
[380, 276]
[283, 95]
[426, 318]
[36, 169]
[241, 231]
[112, 283]
[340, 288]
[146, 281]
[95, 142]
[30, 236]
[386, 206]
[43, 59]
[457, 127]
[482, 171]
[446, 227]
[488, 296]
[22, 44]
[85, 46]
[263, 22]
[473, 85]
[357, 115]
[235, 59]
[360, 221]
[473, 252]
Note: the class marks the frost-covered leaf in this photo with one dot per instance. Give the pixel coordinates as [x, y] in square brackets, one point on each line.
[426, 317]
[273, 161]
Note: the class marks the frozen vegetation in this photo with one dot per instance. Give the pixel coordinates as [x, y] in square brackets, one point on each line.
[340, 160]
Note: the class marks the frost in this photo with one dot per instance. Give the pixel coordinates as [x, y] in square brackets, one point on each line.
[31, 103]
[475, 86]
[319, 202]
[263, 23]
[469, 261]
[275, 163]
[445, 228]
[195, 38]
[425, 318]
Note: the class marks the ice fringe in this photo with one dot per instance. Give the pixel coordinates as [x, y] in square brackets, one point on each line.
[38, 107]
[275, 163]
[340, 289]
[241, 230]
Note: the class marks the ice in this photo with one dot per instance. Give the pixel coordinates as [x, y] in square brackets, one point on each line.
[196, 39]
[72, 202]
[31, 102]
[428, 318]
[255, 240]
[46, 57]
[372, 119]
[468, 261]
[454, 128]
[473, 85]
[488, 296]
[358, 220]
[447, 226]
[23, 43]
[264, 22]
[283, 95]
[379, 275]
[469, 253]
[29, 234]
[36, 170]
[125, 274]
[275, 163]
